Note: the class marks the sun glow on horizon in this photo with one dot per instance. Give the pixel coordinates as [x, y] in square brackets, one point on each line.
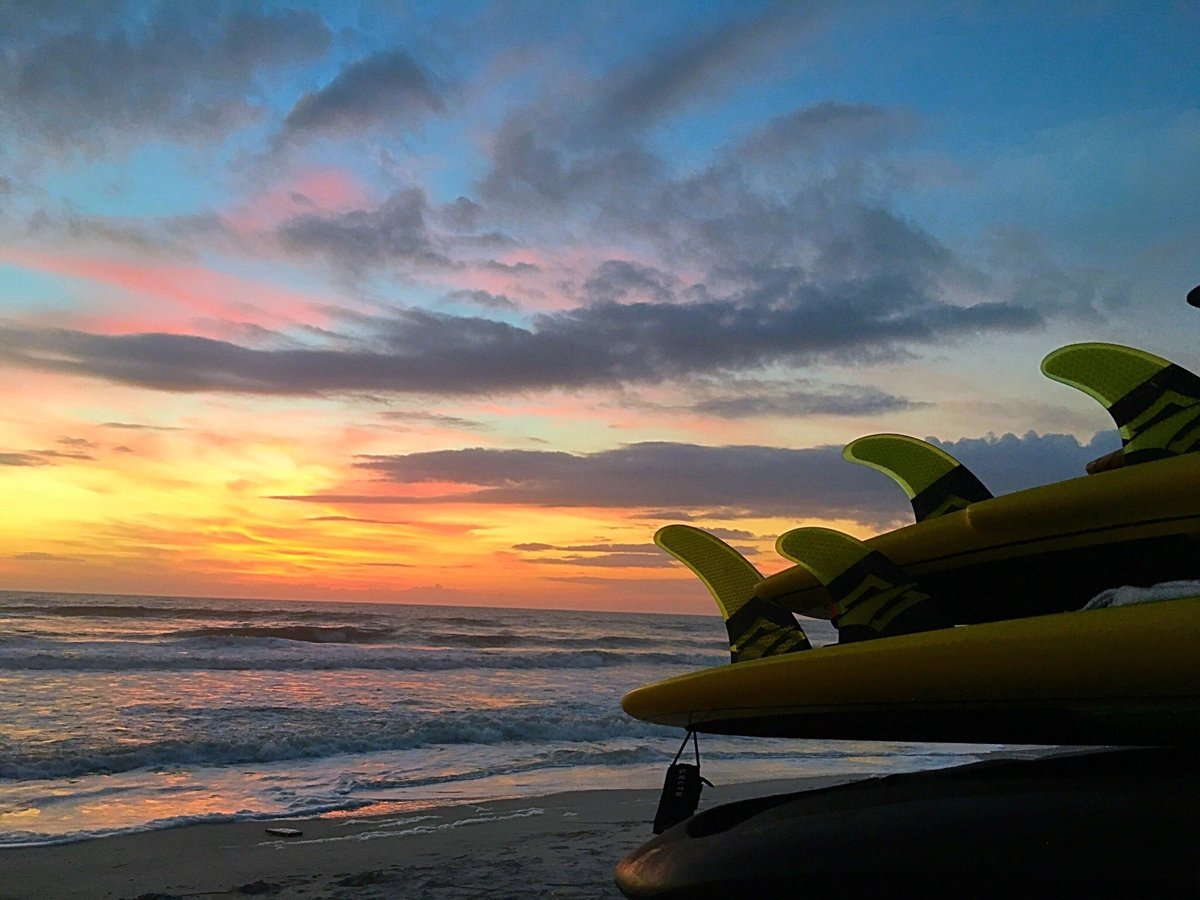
[321, 310]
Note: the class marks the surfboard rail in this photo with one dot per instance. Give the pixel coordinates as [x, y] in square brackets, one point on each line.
[1119, 676]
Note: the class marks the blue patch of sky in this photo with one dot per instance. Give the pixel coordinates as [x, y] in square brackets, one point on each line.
[1053, 118]
[998, 77]
[31, 291]
[153, 180]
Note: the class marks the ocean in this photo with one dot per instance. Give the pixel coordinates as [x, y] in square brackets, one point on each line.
[126, 714]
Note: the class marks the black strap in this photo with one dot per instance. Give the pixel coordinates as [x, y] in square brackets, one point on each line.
[695, 743]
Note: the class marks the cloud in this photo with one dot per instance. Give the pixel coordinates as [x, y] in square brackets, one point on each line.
[183, 73]
[747, 480]
[603, 344]
[418, 415]
[37, 556]
[484, 299]
[730, 481]
[77, 443]
[657, 560]
[646, 556]
[838, 400]
[686, 71]
[394, 232]
[823, 130]
[136, 426]
[387, 88]
[590, 548]
[616, 280]
[22, 459]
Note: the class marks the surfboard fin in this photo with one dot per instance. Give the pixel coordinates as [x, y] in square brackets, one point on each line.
[935, 482]
[1155, 403]
[756, 628]
[871, 595]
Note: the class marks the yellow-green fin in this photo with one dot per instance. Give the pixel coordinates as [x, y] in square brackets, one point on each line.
[756, 628]
[871, 595]
[935, 482]
[1155, 403]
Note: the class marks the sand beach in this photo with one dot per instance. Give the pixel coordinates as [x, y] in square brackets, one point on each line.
[561, 845]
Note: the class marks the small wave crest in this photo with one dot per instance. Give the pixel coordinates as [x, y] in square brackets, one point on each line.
[308, 634]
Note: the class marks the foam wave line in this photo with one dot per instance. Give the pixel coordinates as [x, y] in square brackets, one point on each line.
[225, 655]
[323, 738]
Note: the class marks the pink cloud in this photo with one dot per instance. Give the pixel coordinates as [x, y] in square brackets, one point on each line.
[169, 289]
[314, 190]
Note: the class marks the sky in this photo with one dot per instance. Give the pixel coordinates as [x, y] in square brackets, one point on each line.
[459, 302]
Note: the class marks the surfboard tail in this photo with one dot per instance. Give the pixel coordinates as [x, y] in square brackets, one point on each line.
[871, 596]
[1155, 403]
[935, 482]
[756, 628]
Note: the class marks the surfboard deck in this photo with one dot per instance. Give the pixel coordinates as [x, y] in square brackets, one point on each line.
[1110, 824]
[1119, 676]
[1136, 525]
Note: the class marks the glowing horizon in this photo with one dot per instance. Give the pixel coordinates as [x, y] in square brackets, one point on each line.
[459, 304]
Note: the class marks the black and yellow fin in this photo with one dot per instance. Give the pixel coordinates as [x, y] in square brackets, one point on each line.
[934, 481]
[871, 595]
[756, 628]
[1155, 403]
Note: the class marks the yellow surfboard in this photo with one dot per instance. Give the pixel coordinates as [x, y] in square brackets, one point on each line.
[1043, 550]
[1120, 676]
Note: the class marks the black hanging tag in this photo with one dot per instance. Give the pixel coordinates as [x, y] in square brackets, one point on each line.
[681, 789]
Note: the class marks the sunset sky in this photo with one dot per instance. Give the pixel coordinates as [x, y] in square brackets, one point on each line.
[459, 302]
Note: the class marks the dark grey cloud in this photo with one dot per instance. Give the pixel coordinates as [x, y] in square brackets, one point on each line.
[591, 548]
[825, 138]
[656, 560]
[606, 555]
[47, 457]
[388, 88]
[426, 417]
[1009, 463]
[602, 344]
[695, 480]
[136, 426]
[520, 268]
[845, 400]
[746, 480]
[182, 72]
[77, 443]
[1038, 279]
[396, 232]
[616, 280]
[21, 459]
[484, 299]
[733, 534]
[178, 236]
[682, 72]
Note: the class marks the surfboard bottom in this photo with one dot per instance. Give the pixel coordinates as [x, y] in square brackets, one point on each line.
[1099, 824]
[1123, 722]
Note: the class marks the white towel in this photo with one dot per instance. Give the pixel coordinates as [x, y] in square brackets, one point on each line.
[1127, 595]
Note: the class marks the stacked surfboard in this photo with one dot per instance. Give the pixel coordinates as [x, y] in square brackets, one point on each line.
[976, 623]
[968, 624]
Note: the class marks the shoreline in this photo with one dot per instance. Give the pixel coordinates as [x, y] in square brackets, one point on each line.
[558, 845]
